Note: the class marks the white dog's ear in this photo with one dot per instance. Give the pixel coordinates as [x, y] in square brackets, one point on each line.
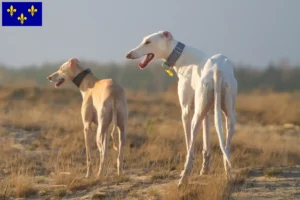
[167, 35]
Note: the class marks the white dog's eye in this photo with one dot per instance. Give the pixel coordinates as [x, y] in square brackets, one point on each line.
[147, 42]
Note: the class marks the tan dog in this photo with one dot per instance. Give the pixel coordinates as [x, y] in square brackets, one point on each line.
[103, 101]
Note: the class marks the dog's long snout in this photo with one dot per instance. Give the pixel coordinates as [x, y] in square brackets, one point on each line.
[49, 78]
[128, 55]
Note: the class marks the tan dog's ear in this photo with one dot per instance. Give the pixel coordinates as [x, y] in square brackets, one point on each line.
[73, 62]
[167, 35]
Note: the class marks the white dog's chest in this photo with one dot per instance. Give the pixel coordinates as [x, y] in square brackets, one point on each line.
[190, 77]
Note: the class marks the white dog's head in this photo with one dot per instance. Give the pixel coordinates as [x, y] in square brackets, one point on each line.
[66, 72]
[154, 46]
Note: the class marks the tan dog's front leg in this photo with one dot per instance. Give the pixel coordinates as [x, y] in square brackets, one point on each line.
[87, 138]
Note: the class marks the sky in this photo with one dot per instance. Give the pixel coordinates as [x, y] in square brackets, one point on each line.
[252, 32]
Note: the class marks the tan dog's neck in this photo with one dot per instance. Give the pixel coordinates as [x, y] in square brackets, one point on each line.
[87, 83]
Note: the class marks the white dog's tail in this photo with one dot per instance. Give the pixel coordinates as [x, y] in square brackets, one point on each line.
[218, 116]
[114, 122]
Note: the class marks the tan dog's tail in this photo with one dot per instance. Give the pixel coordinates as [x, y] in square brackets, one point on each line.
[114, 122]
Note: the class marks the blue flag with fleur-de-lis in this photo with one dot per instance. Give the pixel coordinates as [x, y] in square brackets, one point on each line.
[22, 14]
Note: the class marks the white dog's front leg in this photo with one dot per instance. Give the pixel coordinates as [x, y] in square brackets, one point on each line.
[186, 121]
[186, 94]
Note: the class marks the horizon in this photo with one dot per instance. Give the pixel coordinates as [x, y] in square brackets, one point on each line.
[250, 33]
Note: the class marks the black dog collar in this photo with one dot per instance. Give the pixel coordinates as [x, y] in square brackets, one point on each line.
[176, 53]
[78, 79]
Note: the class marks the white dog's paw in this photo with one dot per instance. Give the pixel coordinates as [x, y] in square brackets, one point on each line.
[183, 181]
[180, 184]
[182, 172]
[204, 171]
[229, 176]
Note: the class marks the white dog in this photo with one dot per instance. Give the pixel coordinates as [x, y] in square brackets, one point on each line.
[203, 81]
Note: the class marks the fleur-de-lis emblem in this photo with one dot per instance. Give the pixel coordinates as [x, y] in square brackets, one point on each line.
[11, 10]
[32, 10]
[22, 18]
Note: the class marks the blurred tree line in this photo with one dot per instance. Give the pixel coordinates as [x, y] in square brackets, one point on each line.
[154, 79]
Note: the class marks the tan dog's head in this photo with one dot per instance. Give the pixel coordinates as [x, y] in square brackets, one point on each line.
[66, 72]
[154, 46]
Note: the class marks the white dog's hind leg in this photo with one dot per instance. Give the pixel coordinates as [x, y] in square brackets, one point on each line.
[217, 115]
[206, 146]
[230, 123]
[196, 123]
[87, 138]
[201, 109]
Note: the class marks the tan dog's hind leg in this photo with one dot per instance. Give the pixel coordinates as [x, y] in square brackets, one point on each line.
[121, 123]
[102, 142]
[112, 137]
[87, 138]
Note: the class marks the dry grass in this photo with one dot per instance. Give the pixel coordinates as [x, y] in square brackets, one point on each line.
[41, 136]
[19, 185]
[24, 186]
[269, 107]
[214, 190]
[272, 172]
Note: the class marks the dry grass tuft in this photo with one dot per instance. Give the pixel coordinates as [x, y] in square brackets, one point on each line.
[272, 172]
[5, 191]
[60, 193]
[212, 190]
[159, 176]
[72, 183]
[23, 186]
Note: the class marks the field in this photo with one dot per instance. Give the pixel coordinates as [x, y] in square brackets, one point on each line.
[43, 153]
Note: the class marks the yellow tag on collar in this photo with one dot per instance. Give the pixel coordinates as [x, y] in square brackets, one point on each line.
[167, 69]
[169, 72]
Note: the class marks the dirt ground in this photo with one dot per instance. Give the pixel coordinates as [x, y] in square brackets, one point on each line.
[274, 183]
[283, 185]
